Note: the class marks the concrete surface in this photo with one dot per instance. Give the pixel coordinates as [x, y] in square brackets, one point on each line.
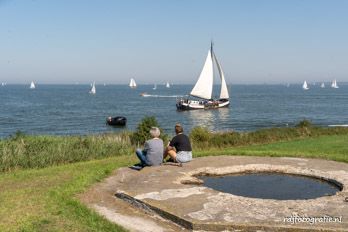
[165, 194]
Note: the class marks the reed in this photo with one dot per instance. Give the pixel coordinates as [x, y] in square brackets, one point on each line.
[22, 151]
[25, 151]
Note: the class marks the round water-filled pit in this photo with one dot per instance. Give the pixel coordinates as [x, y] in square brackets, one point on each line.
[277, 186]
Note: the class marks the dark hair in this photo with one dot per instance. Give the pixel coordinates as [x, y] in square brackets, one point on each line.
[178, 128]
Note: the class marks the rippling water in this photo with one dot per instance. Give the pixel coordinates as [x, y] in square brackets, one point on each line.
[69, 109]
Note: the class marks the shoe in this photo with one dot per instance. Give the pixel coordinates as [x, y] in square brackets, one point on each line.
[170, 160]
[136, 167]
[139, 164]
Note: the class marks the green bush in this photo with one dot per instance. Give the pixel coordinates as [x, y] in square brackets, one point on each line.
[200, 134]
[304, 123]
[142, 132]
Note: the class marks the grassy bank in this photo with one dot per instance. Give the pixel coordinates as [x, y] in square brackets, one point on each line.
[204, 139]
[331, 147]
[24, 151]
[45, 199]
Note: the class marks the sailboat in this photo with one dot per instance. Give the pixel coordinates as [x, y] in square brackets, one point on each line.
[204, 87]
[154, 87]
[334, 84]
[93, 90]
[322, 85]
[305, 85]
[32, 85]
[132, 83]
[167, 85]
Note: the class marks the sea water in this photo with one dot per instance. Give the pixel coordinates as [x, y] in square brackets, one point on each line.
[70, 109]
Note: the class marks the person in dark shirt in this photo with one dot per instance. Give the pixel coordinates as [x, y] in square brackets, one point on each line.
[179, 148]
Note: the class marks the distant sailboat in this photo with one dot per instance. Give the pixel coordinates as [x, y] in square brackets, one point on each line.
[203, 88]
[167, 85]
[334, 84]
[32, 85]
[154, 87]
[93, 90]
[305, 85]
[322, 85]
[132, 83]
[3, 84]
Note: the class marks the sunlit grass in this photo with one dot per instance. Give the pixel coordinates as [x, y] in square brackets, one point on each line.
[333, 147]
[45, 199]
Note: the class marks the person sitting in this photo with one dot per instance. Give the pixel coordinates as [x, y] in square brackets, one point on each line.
[152, 154]
[179, 148]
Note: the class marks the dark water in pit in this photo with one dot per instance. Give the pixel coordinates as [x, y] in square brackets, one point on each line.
[271, 186]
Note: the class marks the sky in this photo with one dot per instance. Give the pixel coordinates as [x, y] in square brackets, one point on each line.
[154, 41]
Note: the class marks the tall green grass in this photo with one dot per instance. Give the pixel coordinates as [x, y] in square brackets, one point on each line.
[202, 138]
[24, 151]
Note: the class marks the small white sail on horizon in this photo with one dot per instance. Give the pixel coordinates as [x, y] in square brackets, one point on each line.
[305, 85]
[334, 84]
[3, 83]
[154, 87]
[93, 89]
[167, 85]
[322, 85]
[132, 83]
[32, 85]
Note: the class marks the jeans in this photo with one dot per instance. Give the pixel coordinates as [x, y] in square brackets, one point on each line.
[142, 156]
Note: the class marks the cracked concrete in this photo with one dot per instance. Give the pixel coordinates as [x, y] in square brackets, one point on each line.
[172, 193]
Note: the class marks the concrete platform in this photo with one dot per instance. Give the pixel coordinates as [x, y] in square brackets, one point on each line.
[172, 193]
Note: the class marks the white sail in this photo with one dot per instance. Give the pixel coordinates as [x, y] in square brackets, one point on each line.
[32, 85]
[167, 85]
[305, 86]
[334, 84]
[154, 87]
[93, 90]
[132, 83]
[322, 85]
[224, 90]
[204, 85]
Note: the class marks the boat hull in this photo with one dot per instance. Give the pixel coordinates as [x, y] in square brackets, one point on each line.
[116, 121]
[185, 104]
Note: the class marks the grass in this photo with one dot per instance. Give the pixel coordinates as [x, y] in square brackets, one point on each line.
[45, 199]
[204, 139]
[332, 147]
[24, 151]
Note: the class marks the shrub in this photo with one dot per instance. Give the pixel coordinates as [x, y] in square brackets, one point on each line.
[142, 132]
[200, 134]
[304, 123]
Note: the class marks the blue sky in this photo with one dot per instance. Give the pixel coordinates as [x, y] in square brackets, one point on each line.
[256, 41]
